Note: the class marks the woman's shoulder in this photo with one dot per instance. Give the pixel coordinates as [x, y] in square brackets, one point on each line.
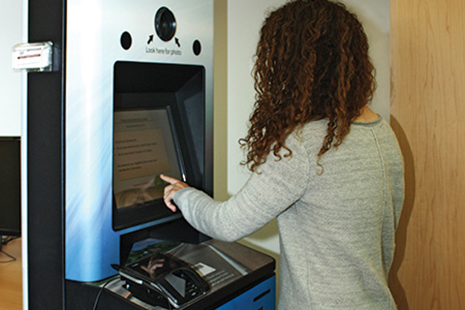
[309, 136]
[311, 129]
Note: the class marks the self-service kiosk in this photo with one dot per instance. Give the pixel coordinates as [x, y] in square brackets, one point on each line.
[124, 93]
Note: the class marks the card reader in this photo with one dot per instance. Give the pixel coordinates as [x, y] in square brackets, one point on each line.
[162, 278]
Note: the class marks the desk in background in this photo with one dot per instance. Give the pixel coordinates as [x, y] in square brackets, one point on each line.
[11, 277]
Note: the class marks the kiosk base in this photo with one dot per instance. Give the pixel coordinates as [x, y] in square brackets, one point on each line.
[239, 278]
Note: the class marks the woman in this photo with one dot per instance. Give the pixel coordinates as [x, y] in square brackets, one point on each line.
[325, 165]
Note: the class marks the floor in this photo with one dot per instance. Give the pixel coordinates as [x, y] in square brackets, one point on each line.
[11, 276]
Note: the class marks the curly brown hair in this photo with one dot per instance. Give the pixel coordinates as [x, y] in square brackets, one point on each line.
[312, 63]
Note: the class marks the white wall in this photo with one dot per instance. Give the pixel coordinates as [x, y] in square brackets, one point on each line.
[244, 21]
[10, 81]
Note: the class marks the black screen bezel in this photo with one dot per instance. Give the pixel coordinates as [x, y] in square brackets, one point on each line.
[170, 85]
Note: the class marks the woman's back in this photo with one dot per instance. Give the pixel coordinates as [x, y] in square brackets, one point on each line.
[337, 240]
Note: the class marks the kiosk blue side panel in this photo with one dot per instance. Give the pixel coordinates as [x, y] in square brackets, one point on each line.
[260, 297]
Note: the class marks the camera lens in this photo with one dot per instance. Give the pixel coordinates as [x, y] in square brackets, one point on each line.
[165, 24]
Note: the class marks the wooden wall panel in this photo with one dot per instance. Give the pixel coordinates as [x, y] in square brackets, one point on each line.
[428, 116]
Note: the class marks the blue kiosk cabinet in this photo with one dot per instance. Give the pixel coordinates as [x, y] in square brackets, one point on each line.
[129, 95]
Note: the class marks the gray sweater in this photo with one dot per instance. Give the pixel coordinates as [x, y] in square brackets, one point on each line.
[336, 229]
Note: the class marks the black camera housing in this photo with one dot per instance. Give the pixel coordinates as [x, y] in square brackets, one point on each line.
[165, 24]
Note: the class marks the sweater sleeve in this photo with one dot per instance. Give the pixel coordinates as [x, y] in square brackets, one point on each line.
[276, 186]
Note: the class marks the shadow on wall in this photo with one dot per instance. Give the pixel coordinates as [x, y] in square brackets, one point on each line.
[401, 233]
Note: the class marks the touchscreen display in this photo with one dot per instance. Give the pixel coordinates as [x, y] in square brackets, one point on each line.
[144, 146]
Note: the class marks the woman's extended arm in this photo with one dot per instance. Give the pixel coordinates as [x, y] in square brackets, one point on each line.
[277, 186]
